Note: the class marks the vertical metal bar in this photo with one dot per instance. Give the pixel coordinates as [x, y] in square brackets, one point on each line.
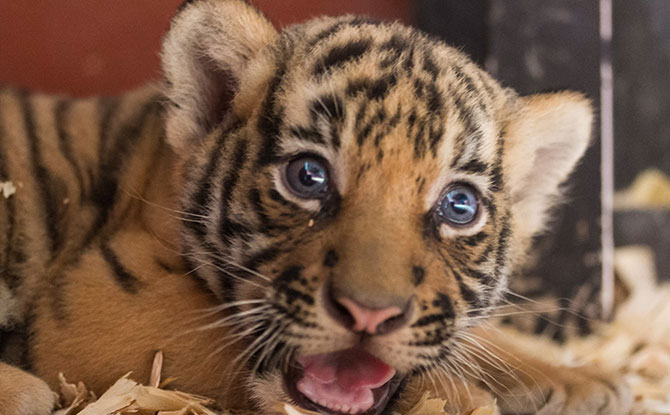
[607, 157]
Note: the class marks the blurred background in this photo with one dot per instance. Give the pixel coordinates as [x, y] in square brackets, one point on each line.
[616, 51]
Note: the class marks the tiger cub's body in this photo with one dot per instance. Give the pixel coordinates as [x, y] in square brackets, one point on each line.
[320, 216]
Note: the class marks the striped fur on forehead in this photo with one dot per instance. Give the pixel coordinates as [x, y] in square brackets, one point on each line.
[450, 103]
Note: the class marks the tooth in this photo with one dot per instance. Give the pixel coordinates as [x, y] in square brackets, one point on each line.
[345, 408]
[322, 402]
[354, 410]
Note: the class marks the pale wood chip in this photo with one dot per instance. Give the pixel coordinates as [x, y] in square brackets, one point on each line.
[7, 189]
[156, 370]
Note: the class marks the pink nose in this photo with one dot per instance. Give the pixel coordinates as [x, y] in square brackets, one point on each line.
[367, 319]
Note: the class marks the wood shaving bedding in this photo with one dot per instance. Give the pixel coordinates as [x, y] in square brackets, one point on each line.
[649, 190]
[7, 189]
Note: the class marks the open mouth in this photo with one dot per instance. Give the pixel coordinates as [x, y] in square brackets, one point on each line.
[350, 381]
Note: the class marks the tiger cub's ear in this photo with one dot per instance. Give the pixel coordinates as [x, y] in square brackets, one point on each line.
[205, 53]
[544, 141]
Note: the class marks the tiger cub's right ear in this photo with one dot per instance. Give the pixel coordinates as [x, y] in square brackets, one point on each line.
[205, 53]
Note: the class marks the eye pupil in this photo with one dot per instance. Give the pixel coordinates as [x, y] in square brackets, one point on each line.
[312, 174]
[459, 206]
[460, 203]
[307, 176]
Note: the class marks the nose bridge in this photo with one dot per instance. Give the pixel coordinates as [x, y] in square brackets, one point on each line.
[375, 264]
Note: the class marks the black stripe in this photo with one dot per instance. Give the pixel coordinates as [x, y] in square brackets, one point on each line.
[430, 66]
[128, 282]
[496, 178]
[466, 292]
[418, 275]
[444, 303]
[341, 55]
[327, 105]
[307, 134]
[435, 100]
[42, 176]
[183, 5]
[269, 121]
[5, 335]
[432, 319]
[11, 278]
[376, 89]
[408, 62]
[233, 229]
[470, 88]
[396, 44]
[266, 224]
[354, 22]
[434, 138]
[419, 88]
[420, 142]
[26, 333]
[228, 187]
[283, 286]
[104, 192]
[277, 197]
[107, 109]
[64, 142]
[260, 258]
[379, 117]
[484, 257]
[503, 242]
[200, 201]
[476, 239]
[496, 172]
[474, 166]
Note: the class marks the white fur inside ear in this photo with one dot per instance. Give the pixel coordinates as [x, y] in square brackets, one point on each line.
[544, 141]
[204, 58]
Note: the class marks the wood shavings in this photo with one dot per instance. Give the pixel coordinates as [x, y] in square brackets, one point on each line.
[127, 397]
[7, 189]
[428, 406]
[156, 370]
[637, 342]
[651, 189]
[73, 397]
[292, 410]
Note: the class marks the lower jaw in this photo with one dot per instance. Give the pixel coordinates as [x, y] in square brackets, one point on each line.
[382, 395]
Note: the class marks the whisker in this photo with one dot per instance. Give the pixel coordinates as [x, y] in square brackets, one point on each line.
[569, 310]
[216, 256]
[139, 197]
[235, 338]
[235, 318]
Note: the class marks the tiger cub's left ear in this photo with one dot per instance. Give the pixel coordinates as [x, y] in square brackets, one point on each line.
[543, 142]
[205, 54]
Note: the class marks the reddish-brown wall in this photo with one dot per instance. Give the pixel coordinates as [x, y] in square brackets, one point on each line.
[86, 47]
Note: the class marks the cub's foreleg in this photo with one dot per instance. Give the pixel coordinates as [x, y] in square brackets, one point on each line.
[23, 394]
[526, 380]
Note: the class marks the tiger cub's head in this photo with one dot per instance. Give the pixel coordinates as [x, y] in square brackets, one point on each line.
[359, 193]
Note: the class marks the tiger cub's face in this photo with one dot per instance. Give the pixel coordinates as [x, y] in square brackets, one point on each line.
[361, 193]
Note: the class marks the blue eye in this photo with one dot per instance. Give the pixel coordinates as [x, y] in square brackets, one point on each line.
[307, 177]
[459, 206]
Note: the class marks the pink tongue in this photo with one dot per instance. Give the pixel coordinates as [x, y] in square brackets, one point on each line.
[343, 380]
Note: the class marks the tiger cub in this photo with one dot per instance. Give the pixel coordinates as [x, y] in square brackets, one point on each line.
[319, 216]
